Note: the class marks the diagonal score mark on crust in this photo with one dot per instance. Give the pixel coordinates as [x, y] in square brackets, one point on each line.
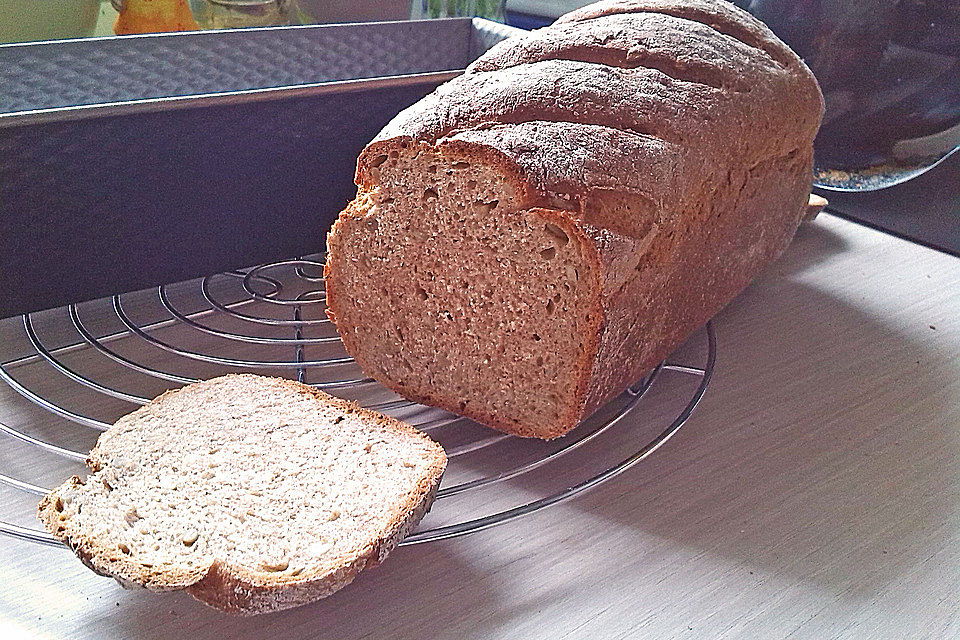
[640, 101]
[665, 64]
[685, 50]
[725, 20]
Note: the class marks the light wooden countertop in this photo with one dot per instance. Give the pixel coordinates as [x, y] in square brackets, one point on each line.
[815, 493]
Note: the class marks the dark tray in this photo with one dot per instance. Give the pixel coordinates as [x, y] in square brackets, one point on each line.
[129, 162]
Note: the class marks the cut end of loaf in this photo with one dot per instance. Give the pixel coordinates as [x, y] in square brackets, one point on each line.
[448, 289]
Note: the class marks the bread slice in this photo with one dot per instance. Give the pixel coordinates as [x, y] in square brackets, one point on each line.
[253, 494]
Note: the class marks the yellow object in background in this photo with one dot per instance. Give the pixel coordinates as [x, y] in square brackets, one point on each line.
[154, 16]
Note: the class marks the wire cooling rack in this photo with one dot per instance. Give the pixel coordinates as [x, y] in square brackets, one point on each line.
[71, 372]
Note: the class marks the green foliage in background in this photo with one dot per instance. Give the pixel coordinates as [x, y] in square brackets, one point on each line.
[449, 8]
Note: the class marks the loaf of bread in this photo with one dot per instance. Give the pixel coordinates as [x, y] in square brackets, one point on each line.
[253, 494]
[536, 234]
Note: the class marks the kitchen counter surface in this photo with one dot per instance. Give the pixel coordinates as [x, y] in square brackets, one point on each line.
[815, 493]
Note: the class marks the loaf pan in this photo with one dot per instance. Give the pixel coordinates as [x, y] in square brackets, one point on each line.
[129, 162]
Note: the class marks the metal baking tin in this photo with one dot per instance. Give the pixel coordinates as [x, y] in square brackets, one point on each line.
[128, 162]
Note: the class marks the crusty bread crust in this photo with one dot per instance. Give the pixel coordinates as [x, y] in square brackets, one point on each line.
[241, 590]
[676, 135]
[719, 15]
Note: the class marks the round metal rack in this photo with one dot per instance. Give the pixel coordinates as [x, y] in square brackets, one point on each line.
[85, 365]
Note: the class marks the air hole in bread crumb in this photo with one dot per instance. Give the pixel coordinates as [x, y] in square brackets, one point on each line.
[431, 168]
[379, 160]
[430, 194]
[461, 165]
[549, 253]
[557, 233]
[394, 154]
[486, 206]
[58, 505]
[421, 292]
[275, 564]
[550, 307]
[471, 184]
[536, 337]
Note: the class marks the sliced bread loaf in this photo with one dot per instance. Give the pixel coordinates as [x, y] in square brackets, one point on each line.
[254, 494]
[537, 233]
